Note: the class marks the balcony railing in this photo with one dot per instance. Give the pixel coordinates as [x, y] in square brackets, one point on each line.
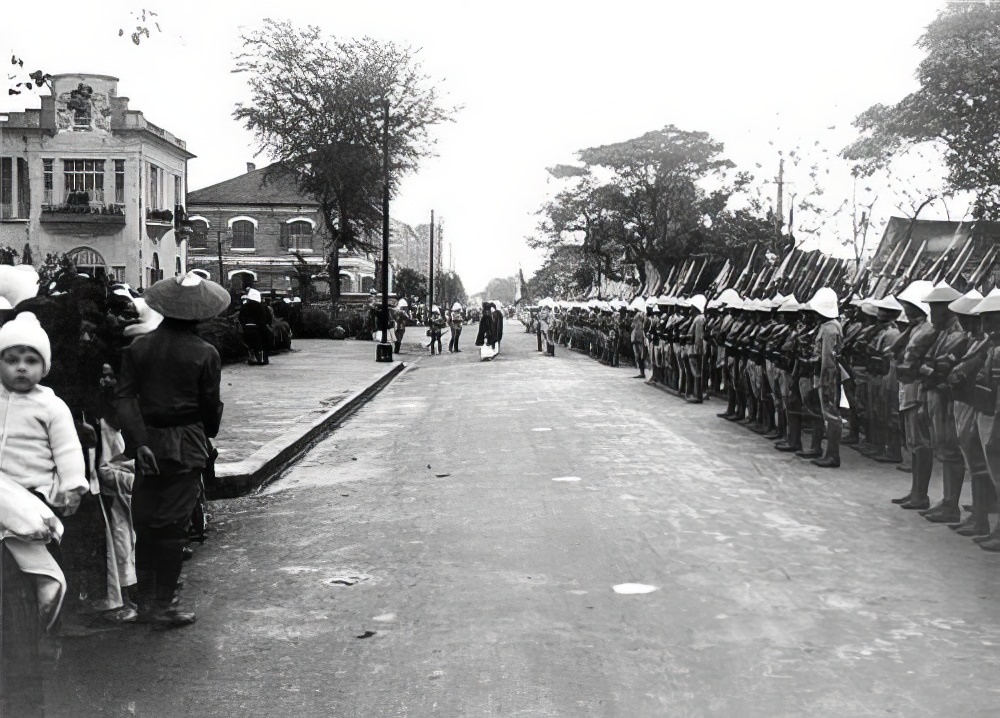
[82, 208]
[159, 216]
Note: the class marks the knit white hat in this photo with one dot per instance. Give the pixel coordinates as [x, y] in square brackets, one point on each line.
[25, 331]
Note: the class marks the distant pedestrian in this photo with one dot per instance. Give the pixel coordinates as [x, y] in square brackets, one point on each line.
[497, 317]
[399, 318]
[456, 320]
[167, 402]
[435, 326]
[484, 338]
[254, 322]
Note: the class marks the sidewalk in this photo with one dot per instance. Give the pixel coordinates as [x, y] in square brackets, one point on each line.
[273, 413]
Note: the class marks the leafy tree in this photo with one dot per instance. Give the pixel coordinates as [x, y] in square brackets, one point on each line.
[565, 273]
[448, 289]
[501, 289]
[651, 199]
[957, 106]
[410, 283]
[317, 107]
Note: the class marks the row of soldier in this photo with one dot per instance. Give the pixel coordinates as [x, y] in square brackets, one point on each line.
[917, 371]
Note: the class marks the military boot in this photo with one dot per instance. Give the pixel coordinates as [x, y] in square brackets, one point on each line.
[923, 466]
[947, 510]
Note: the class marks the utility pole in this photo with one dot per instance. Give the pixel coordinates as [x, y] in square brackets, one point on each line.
[383, 351]
[430, 274]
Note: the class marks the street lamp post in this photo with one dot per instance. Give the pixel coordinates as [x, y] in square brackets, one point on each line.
[383, 351]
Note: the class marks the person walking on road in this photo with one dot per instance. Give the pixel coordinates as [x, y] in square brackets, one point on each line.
[253, 320]
[399, 317]
[455, 324]
[168, 405]
[485, 336]
[435, 326]
[497, 326]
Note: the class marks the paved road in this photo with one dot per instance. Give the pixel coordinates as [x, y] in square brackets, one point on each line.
[486, 511]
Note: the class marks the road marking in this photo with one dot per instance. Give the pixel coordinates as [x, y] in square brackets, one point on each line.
[631, 588]
[566, 478]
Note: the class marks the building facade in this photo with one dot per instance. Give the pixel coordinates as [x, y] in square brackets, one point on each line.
[260, 225]
[87, 177]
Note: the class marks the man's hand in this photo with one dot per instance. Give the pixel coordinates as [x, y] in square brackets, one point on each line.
[146, 460]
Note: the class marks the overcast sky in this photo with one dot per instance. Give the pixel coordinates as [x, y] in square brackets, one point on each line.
[538, 80]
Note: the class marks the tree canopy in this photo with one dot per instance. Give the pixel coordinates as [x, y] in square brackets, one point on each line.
[318, 107]
[956, 107]
[650, 201]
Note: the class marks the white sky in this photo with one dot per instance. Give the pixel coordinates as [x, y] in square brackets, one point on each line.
[538, 80]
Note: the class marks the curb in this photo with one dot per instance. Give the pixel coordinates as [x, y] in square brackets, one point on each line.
[239, 478]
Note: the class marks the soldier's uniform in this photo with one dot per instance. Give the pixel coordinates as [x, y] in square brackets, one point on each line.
[962, 382]
[785, 360]
[772, 367]
[696, 349]
[885, 387]
[986, 396]
[909, 352]
[829, 341]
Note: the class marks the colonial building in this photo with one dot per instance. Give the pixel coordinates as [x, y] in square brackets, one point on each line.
[260, 224]
[88, 177]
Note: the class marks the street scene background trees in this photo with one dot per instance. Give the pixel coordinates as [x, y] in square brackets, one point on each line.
[317, 106]
[626, 210]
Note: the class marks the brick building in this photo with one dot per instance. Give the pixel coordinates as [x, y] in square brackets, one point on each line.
[86, 176]
[260, 224]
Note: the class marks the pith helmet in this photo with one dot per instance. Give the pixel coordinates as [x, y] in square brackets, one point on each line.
[966, 303]
[729, 297]
[698, 301]
[824, 303]
[889, 304]
[791, 304]
[990, 303]
[638, 304]
[914, 294]
[942, 292]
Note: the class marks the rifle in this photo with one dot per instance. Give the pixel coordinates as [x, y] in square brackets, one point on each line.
[963, 258]
[697, 278]
[684, 275]
[740, 280]
[932, 273]
[788, 280]
[985, 266]
[901, 281]
[812, 271]
[771, 285]
[886, 278]
[717, 282]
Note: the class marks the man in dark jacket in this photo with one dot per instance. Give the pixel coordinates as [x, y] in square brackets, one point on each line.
[167, 402]
[497, 325]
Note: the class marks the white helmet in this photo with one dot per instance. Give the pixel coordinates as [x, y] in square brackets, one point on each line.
[824, 303]
[914, 294]
[456, 307]
[402, 304]
[698, 301]
[638, 304]
[730, 298]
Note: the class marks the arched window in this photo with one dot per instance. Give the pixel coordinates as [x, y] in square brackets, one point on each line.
[346, 285]
[198, 239]
[243, 234]
[298, 235]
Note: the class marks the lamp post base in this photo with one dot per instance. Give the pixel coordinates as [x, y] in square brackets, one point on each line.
[383, 352]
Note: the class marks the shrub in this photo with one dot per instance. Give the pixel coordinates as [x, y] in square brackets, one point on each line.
[314, 324]
[226, 336]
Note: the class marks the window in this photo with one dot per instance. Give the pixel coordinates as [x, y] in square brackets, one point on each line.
[6, 187]
[154, 200]
[298, 235]
[177, 266]
[23, 189]
[119, 181]
[15, 190]
[178, 196]
[47, 200]
[83, 181]
[198, 239]
[243, 234]
[367, 284]
[118, 272]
